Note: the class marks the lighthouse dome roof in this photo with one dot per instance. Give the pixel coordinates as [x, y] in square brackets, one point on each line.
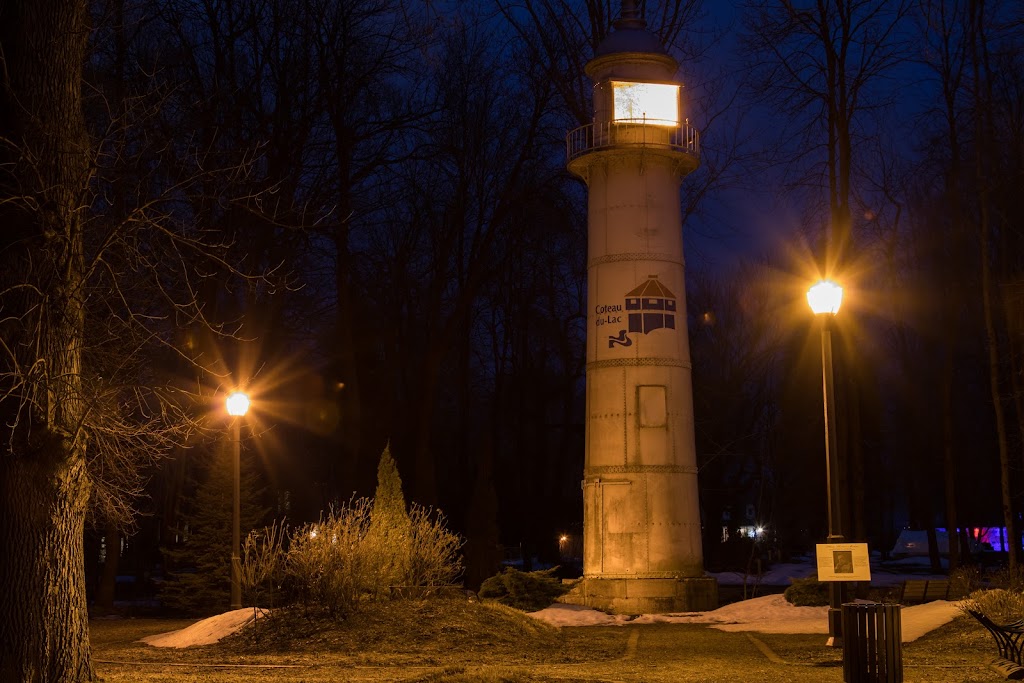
[630, 39]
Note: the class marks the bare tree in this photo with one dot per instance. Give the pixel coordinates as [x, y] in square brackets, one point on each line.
[826, 65]
[240, 90]
[735, 334]
[100, 268]
[986, 167]
[44, 483]
[368, 68]
[482, 173]
[943, 25]
[562, 36]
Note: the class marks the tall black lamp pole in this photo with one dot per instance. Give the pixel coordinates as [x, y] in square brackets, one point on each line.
[825, 298]
[237, 406]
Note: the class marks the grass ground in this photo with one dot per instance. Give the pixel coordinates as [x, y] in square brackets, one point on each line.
[428, 641]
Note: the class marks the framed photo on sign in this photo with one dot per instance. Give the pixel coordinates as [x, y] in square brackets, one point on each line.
[843, 562]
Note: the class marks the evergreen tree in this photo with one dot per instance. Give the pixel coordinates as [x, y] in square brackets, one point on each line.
[390, 530]
[199, 565]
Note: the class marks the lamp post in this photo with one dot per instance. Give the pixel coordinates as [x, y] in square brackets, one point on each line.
[237, 406]
[824, 298]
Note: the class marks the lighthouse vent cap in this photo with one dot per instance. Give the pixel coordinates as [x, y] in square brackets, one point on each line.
[630, 34]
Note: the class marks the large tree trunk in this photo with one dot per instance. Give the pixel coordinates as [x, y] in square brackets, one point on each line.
[44, 623]
[44, 487]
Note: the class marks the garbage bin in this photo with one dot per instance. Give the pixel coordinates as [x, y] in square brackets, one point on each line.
[872, 651]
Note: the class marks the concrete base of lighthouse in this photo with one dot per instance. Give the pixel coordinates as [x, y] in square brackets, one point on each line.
[645, 595]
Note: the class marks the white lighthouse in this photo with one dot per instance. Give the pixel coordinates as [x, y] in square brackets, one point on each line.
[641, 519]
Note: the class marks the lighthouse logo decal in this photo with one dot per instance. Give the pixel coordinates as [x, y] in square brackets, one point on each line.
[649, 306]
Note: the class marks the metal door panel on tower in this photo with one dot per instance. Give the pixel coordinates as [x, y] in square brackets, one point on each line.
[624, 527]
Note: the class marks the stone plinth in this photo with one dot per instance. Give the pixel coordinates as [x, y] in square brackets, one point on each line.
[645, 596]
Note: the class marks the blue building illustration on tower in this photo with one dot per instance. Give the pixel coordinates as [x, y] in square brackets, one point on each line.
[651, 306]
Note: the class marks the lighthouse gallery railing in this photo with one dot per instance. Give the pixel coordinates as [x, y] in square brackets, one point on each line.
[629, 132]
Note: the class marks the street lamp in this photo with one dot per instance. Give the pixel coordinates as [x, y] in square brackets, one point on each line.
[824, 299]
[237, 405]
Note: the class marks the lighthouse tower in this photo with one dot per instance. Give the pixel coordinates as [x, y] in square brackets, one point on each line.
[641, 519]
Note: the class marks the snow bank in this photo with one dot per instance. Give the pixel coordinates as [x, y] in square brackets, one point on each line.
[767, 614]
[206, 631]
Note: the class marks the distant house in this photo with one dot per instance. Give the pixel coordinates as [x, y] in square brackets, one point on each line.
[651, 307]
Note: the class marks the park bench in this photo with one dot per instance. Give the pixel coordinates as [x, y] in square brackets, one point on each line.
[1008, 640]
[924, 590]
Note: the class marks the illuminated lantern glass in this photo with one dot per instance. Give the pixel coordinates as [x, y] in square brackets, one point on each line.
[656, 104]
[237, 404]
[825, 297]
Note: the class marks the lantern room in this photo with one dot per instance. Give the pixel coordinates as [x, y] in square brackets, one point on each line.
[637, 101]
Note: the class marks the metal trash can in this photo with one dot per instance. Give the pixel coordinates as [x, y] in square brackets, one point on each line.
[872, 648]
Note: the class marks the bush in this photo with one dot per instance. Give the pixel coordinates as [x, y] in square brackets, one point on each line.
[434, 558]
[807, 592]
[1000, 605]
[328, 564]
[356, 553]
[263, 565]
[527, 591]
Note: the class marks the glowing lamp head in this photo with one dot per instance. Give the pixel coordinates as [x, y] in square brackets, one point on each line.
[237, 404]
[825, 297]
[656, 104]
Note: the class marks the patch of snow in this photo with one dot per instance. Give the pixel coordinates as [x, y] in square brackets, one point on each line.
[206, 631]
[920, 619]
[767, 614]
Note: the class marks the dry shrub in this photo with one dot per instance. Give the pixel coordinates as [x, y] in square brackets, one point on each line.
[350, 556]
[263, 563]
[1000, 605]
[328, 564]
[360, 551]
[434, 558]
